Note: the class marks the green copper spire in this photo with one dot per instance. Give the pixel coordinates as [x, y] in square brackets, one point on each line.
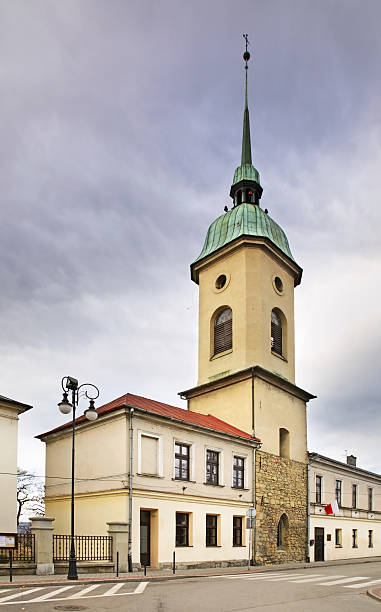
[246, 185]
[246, 144]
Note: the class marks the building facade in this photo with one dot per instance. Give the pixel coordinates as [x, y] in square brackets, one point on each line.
[9, 417]
[191, 482]
[355, 531]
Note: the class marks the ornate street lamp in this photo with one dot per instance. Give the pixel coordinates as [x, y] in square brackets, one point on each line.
[68, 384]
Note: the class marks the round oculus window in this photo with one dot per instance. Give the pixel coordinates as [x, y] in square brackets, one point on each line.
[278, 284]
[221, 281]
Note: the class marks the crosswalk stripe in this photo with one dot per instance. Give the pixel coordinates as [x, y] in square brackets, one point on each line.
[84, 591]
[9, 597]
[270, 576]
[343, 580]
[285, 577]
[362, 584]
[140, 588]
[114, 589]
[51, 594]
[315, 579]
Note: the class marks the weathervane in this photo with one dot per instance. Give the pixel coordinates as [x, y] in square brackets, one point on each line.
[246, 55]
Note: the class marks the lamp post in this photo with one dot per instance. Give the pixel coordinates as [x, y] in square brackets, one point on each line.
[68, 384]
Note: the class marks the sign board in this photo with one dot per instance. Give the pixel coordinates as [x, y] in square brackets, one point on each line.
[251, 513]
[8, 540]
[250, 523]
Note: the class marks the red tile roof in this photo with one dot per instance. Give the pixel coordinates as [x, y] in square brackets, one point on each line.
[179, 414]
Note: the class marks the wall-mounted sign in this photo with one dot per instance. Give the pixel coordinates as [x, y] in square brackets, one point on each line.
[8, 540]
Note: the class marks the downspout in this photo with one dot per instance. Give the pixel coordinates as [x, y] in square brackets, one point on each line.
[253, 548]
[308, 559]
[129, 554]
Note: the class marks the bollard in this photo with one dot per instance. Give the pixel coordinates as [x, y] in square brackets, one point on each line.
[10, 565]
[145, 569]
[117, 563]
[174, 563]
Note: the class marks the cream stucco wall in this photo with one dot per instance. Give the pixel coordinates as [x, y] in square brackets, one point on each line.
[251, 295]
[361, 518]
[8, 462]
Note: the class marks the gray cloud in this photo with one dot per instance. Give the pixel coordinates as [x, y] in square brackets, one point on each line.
[120, 134]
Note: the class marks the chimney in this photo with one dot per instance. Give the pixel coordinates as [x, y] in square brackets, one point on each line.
[351, 460]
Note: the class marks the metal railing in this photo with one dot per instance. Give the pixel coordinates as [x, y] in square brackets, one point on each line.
[25, 552]
[87, 548]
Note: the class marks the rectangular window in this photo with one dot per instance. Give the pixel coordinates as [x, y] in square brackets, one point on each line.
[237, 530]
[211, 530]
[182, 529]
[338, 490]
[354, 538]
[370, 538]
[181, 461]
[318, 489]
[354, 496]
[338, 537]
[370, 499]
[238, 472]
[149, 455]
[212, 467]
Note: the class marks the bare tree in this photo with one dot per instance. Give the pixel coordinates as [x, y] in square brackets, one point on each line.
[30, 495]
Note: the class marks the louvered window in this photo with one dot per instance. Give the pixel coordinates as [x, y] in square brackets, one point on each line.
[223, 339]
[276, 333]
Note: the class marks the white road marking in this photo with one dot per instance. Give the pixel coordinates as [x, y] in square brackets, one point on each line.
[301, 580]
[110, 593]
[114, 589]
[362, 584]
[343, 580]
[285, 577]
[9, 597]
[84, 591]
[271, 576]
[52, 593]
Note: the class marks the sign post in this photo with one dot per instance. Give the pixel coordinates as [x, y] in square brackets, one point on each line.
[250, 520]
[8, 541]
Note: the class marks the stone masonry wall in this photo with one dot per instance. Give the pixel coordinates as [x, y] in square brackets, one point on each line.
[281, 489]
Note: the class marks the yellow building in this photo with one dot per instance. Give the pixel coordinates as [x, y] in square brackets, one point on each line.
[246, 382]
[246, 358]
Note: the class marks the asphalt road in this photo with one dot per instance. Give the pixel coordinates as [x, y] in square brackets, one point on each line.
[330, 589]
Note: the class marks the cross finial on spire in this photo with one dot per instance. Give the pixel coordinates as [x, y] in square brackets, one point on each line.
[246, 145]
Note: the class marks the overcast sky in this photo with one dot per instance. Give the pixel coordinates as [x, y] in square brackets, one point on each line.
[120, 132]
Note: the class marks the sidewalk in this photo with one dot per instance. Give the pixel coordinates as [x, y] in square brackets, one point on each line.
[152, 575]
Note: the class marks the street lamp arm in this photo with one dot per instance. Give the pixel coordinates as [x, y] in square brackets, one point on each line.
[91, 396]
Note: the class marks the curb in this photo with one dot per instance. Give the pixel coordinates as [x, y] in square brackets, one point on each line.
[374, 593]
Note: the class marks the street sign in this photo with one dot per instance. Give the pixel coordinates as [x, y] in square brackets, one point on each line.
[251, 513]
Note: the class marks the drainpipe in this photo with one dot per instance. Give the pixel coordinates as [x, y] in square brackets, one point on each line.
[253, 548]
[308, 510]
[129, 554]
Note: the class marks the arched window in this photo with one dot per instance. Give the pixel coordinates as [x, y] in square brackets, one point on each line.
[276, 332]
[282, 532]
[249, 195]
[223, 339]
[284, 443]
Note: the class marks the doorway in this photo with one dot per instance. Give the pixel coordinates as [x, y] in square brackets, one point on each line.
[319, 544]
[145, 538]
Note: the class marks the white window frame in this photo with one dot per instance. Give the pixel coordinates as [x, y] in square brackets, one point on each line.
[244, 456]
[180, 440]
[159, 457]
[221, 464]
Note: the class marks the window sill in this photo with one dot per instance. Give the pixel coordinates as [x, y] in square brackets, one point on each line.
[183, 545]
[222, 354]
[213, 546]
[182, 480]
[338, 546]
[149, 475]
[279, 356]
[239, 546]
[210, 484]
[239, 488]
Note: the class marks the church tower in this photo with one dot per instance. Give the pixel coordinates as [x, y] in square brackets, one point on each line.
[246, 355]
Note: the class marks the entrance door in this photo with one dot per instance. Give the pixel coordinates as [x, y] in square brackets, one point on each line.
[145, 537]
[319, 544]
